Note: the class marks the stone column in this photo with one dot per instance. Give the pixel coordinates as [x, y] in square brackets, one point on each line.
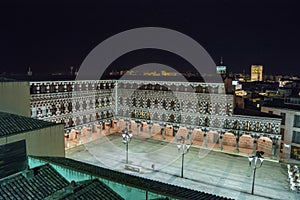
[237, 136]
[150, 130]
[78, 134]
[115, 125]
[108, 129]
[254, 144]
[138, 127]
[190, 137]
[91, 132]
[221, 140]
[93, 128]
[204, 139]
[274, 142]
[101, 127]
[175, 130]
[129, 126]
[163, 133]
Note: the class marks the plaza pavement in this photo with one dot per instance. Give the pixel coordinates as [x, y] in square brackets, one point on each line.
[213, 172]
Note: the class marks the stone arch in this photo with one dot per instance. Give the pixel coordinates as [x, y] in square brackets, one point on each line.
[169, 130]
[156, 129]
[182, 132]
[212, 137]
[73, 134]
[121, 125]
[265, 144]
[246, 141]
[198, 135]
[229, 139]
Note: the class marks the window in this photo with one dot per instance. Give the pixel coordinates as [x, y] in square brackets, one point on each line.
[282, 133]
[283, 118]
[297, 121]
[270, 112]
[295, 153]
[296, 137]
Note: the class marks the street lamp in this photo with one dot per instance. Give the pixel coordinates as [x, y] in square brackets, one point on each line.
[183, 148]
[253, 160]
[126, 138]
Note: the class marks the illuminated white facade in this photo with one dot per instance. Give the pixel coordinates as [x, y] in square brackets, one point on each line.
[202, 109]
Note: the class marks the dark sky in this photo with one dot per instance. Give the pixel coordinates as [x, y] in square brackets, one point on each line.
[51, 37]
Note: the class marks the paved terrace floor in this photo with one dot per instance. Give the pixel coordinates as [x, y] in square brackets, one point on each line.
[214, 172]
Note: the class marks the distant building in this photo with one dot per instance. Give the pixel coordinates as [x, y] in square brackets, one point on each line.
[29, 72]
[221, 68]
[290, 127]
[256, 72]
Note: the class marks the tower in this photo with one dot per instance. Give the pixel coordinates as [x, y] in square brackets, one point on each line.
[256, 72]
[29, 72]
[221, 68]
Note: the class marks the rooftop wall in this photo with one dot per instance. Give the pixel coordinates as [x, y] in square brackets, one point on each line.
[15, 98]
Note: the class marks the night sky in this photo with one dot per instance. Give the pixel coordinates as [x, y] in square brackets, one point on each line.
[51, 37]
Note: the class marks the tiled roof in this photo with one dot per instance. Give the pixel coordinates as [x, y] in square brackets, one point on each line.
[11, 124]
[154, 186]
[45, 182]
[40, 184]
[91, 190]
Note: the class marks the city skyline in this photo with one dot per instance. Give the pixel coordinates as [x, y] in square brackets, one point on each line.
[53, 37]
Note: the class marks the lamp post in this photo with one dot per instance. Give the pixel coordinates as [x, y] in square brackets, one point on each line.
[183, 148]
[126, 138]
[253, 160]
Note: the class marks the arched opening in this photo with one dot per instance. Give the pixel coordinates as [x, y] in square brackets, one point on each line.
[229, 141]
[265, 144]
[246, 144]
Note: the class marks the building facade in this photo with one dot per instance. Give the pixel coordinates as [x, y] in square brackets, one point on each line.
[256, 72]
[202, 112]
[290, 129]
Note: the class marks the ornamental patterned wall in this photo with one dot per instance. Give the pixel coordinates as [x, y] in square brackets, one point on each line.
[202, 106]
[74, 103]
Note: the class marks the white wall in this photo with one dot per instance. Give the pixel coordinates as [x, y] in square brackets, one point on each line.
[42, 142]
[15, 98]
